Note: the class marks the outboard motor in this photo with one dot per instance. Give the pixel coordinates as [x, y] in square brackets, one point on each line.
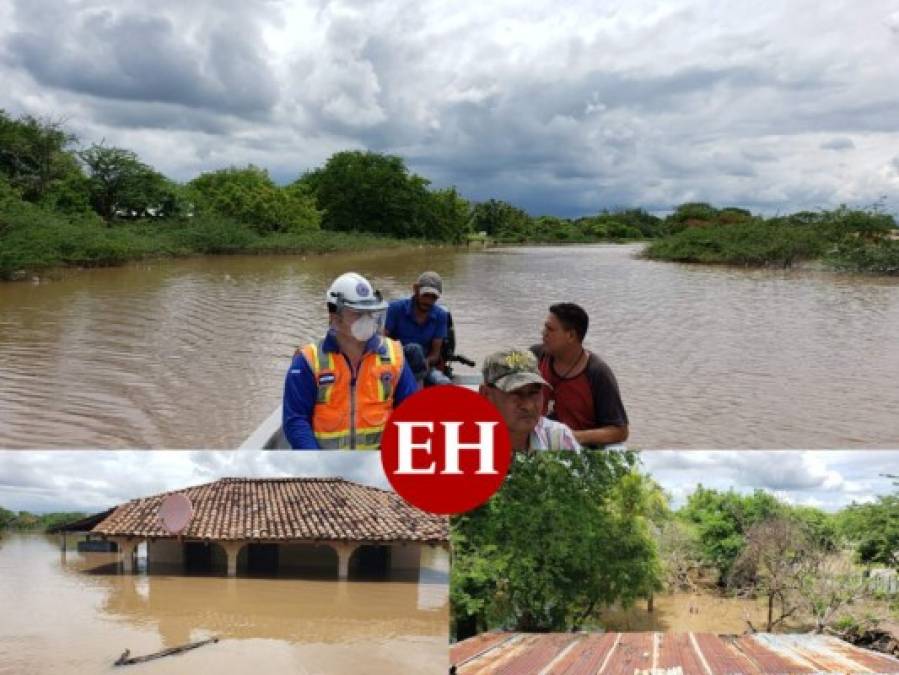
[448, 352]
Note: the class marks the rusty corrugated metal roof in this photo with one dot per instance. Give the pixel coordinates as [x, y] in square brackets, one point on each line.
[663, 654]
[307, 509]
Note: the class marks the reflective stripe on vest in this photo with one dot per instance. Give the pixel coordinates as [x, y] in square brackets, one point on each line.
[376, 383]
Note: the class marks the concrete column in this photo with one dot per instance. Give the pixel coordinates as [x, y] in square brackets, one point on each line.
[232, 550]
[344, 551]
[127, 548]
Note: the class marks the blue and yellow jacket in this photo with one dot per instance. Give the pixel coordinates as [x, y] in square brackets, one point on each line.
[328, 406]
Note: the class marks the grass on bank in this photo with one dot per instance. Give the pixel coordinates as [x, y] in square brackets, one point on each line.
[33, 239]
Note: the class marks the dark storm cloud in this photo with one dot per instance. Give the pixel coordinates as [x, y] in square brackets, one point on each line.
[135, 55]
[153, 115]
[561, 110]
[582, 143]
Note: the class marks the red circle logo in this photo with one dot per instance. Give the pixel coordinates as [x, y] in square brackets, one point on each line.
[446, 449]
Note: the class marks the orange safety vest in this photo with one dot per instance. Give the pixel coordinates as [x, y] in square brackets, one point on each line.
[348, 415]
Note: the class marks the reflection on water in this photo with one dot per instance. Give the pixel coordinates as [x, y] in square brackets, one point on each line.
[74, 613]
[692, 612]
[192, 353]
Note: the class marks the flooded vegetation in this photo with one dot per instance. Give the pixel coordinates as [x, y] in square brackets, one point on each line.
[75, 612]
[192, 353]
[585, 542]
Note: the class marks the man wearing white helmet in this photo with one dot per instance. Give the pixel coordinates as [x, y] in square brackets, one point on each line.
[340, 391]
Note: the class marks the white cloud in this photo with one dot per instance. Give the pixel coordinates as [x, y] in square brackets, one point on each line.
[823, 478]
[87, 480]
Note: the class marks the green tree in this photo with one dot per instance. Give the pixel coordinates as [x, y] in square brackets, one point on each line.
[6, 518]
[33, 154]
[722, 520]
[502, 221]
[449, 217]
[121, 186]
[693, 211]
[565, 535]
[249, 195]
[874, 530]
[371, 192]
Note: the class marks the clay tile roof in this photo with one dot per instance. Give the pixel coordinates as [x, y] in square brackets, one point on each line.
[317, 509]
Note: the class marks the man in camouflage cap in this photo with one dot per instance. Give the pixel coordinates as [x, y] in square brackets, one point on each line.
[512, 383]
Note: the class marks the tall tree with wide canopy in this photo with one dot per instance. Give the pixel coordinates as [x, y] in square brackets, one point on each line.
[121, 186]
[566, 535]
[370, 192]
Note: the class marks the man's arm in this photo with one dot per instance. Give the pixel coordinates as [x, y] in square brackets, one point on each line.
[608, 409]
[434, 355]
[602, 435]
[299, 401]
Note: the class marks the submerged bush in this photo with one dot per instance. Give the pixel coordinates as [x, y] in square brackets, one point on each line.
[881, 257]
[848, 239]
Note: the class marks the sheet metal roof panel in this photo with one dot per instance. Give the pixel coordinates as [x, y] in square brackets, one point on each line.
[826, 654]
[587, 655]
[462, 651]
[722, 656]
[538, 652]
[678, 650]
[632, 652]
[684, 653]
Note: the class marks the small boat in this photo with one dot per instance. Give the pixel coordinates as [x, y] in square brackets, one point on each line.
[270, 434]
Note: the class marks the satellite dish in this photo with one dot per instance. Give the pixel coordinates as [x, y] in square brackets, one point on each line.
[175, 513]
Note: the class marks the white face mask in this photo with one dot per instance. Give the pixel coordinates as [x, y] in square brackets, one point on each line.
[364, 327]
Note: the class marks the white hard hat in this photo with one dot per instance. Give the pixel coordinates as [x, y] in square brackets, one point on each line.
[354, 291]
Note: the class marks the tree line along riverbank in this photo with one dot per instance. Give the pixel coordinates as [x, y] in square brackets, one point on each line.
[25, 521]
[66, 204]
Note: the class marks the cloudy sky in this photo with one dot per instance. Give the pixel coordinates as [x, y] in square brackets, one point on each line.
[560, 108]
[827, 479]
[94, 480]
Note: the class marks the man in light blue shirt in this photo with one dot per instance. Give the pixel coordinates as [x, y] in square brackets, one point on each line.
[420, 324]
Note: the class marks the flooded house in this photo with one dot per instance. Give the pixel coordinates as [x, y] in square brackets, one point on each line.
[245, 526]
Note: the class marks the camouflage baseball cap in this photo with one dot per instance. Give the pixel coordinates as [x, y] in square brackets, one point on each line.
[511, 369]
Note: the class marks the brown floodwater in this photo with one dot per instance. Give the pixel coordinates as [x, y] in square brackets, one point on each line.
[192, 353]
[693, 612]
[75, 614]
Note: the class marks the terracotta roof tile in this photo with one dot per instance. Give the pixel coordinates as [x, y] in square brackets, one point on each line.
[314, 509]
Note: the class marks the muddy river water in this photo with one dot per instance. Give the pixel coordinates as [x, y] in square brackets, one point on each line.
[75, 613]
[192, 353]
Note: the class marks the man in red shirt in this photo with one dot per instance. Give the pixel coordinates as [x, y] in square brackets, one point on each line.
[584, 392]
